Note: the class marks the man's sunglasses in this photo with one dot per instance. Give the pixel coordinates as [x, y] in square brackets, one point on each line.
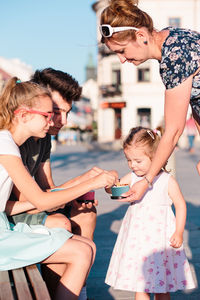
[107, 30]
[48, 115]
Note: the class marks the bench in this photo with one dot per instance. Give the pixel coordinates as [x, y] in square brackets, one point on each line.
[23, 284]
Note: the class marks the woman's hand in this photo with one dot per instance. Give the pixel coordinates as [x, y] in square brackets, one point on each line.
[176, 240]
[94, 171]
[136, 192]
[104, 179]
[115, 173]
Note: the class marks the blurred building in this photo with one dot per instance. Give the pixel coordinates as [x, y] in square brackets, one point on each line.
[91, 70]
[79, 127]
[128, 95]
[84, 112]
[81, 114]
[13, 67]
[3, 78]
[90, 86]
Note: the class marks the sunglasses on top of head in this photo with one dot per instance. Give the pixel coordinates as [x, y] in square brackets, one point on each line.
[107, 30]
[48, 115]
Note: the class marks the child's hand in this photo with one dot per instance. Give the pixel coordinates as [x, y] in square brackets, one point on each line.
[176, 240]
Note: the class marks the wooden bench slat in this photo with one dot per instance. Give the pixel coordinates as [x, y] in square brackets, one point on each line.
[21, 285]
[37, 282]
[5, 287]
[24, 283]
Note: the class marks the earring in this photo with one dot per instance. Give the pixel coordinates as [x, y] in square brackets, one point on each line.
[145, 42]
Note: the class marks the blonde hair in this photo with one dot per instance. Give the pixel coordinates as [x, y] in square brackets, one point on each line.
[145, 137]
[16, 94]
[125, 13]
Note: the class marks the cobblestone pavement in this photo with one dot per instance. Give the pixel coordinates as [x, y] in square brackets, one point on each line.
[71, 161]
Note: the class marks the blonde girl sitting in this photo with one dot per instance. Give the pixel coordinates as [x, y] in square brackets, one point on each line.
[26, 110]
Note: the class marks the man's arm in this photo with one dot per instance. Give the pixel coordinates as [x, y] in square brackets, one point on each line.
[17, 207]
[43, 176]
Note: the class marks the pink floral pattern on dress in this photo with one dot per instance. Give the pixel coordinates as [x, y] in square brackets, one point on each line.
[152, 265]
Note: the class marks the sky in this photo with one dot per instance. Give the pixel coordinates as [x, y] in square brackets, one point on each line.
[49, 33]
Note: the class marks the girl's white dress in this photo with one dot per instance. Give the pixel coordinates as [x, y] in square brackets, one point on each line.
[142, 259]
[22, 245]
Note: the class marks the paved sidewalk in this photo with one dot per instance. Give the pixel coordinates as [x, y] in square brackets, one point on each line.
[70, 161]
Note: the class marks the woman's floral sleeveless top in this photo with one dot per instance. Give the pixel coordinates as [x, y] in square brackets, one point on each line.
[180, 59]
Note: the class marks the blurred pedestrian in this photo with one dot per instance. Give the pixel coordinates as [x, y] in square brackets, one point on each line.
[53, 143]
[191, 132]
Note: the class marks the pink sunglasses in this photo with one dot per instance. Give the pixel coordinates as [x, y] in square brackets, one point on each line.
[48, 115]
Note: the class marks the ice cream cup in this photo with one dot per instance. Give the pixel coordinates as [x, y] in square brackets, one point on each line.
[117, 191]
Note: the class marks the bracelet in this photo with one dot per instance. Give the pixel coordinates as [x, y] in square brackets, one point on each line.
[149, 183]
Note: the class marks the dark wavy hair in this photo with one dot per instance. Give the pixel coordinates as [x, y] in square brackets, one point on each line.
[59, 81]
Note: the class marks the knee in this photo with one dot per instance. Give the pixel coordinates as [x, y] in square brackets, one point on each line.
[58, 220]
[84, 222]
[90, 218]
[93, 247]
[87, 224]
[85, 253]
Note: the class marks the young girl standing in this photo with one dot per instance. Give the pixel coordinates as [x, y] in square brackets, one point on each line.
[148, 256]
[26, 110]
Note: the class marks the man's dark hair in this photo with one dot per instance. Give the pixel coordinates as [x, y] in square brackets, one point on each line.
[58, 81]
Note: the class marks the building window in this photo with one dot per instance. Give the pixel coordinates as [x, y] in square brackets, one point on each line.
[143, 74]
[144, 117]
[118, 123]
[116, 76]
[175, 22]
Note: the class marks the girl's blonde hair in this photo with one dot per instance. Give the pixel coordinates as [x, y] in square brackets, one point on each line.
[145, 137]
[125, 13]
[16, 94]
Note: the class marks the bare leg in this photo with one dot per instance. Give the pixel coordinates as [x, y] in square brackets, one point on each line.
[58, 220]
[76, 257]
[83, 221]
[51, 273]
[197, 122]
[142, 296]
[58, 268]
[162, 296]
[88, 242]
